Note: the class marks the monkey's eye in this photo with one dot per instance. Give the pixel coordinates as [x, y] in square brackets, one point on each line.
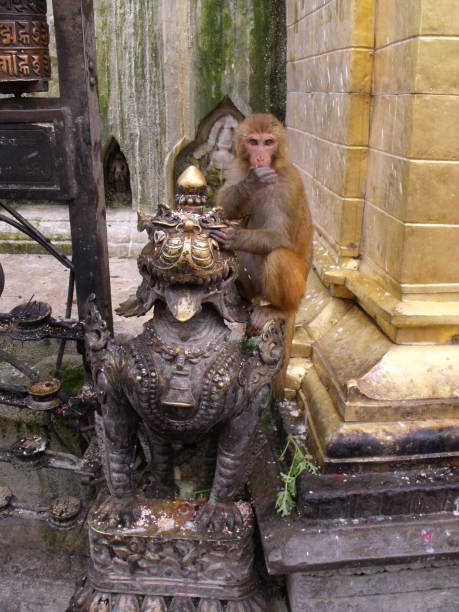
[269, 142]
[253, 142]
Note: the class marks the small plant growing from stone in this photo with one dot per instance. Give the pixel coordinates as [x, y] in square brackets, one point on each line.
[301, 462]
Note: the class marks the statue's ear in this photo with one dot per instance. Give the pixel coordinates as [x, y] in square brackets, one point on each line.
[143, 221]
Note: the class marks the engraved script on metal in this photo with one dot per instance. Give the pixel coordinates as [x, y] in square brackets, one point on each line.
[24, 41]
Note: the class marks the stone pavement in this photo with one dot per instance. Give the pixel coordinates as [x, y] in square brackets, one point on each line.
[44, 278]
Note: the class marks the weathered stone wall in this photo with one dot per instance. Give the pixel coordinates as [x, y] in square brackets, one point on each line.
[411, 221]
[165, 65]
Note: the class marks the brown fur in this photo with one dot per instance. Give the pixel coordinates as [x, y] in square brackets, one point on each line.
[284, 292]
[275, 241]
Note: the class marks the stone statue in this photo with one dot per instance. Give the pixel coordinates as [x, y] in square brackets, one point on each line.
[183, 379]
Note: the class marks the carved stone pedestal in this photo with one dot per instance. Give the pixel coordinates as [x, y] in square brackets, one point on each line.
[163, 562]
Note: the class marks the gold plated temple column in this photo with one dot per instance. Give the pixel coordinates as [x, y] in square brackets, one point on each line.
[373, 126]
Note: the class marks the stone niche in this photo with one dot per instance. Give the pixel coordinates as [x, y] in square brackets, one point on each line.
[214, 148]
[117, 177]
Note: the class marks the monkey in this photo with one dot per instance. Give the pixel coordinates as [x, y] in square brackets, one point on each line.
[274, 243]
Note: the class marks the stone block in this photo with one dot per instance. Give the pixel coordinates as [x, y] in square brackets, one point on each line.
[301, 343]
[420, 254]
[435, 127]
[335, 26]
[338, 218]
[339, 118]
[433, 192]
[438, 66]
[342, 71]
[397, 21]
[363, 22]
[383, 240]
[440, 17]
[295, 372]
[290, 394]
[395, 68]
[391, 124]
[298, 9]
[387, 182]
[338, 168]
[430, 254]
[413, 191]
[414, 587]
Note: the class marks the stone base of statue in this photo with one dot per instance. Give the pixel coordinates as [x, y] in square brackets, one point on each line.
[163, 562]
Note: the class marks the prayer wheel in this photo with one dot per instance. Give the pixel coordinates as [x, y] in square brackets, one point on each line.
[25, 64]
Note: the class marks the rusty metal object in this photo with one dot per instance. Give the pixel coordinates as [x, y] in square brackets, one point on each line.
[29, 448]
[25, 63]
[6, 496]
[64, 511]
[30, 314]
[43, 394]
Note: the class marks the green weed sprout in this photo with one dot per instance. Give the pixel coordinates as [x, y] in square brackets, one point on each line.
[301, 462]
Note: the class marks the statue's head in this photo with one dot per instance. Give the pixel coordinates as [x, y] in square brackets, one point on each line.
[182, 264]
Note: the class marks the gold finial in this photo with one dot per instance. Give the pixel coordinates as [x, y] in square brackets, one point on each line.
[192, 180]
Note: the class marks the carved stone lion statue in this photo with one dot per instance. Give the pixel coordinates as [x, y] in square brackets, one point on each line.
[184, 377]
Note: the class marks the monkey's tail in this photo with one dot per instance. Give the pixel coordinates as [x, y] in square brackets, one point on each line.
[285, 279]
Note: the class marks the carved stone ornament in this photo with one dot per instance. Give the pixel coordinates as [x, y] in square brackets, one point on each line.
[183, 379]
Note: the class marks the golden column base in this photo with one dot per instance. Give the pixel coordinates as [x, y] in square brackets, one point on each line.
[369, 403]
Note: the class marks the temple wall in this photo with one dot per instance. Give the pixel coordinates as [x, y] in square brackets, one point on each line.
[164, 66]
[329, 73]
[411, 220]
[372, 118]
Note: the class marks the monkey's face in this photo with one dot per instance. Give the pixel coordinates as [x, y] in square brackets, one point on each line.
[261, 149]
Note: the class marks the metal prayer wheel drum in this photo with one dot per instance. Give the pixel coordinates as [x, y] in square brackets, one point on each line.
[25, 64]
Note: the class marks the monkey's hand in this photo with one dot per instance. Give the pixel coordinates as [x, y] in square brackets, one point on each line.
[259, 316]
[258, 178]
[226, 237]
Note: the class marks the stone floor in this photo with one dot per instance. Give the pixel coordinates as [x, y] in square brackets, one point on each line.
[44, 278]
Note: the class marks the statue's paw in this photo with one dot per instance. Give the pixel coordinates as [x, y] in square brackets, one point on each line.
[118, 512]
[218, 516]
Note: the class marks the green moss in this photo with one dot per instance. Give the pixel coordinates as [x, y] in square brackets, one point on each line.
[24, 247]
[103, 65]
[247, 346]
[259, 40]
[268, 54]
[72, 379]
[215, 49]
[256, 32]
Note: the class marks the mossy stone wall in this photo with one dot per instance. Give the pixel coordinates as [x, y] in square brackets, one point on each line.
[166, 64]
